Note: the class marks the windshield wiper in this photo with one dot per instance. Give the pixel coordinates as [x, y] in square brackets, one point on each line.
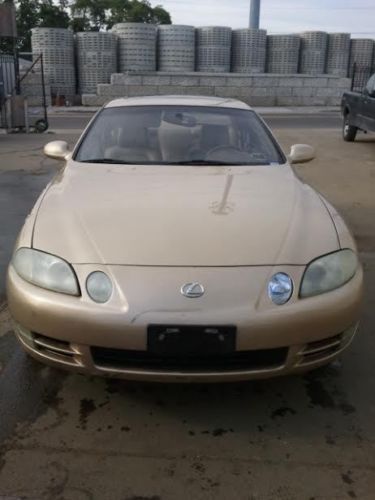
[215, 163]
[203, 162]
[107, 160]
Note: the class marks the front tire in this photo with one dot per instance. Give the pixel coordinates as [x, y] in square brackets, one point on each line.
[349, 132]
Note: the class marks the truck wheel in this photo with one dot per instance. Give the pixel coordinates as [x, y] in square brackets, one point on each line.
[349, 132]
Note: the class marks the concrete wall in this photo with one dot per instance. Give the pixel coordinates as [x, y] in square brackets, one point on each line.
[256, 90]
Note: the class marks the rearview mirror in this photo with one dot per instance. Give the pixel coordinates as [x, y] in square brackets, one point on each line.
[301, 153]
[58, 150]
[179, 118]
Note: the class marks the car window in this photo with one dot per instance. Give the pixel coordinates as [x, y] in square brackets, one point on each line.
[370, 87]
[178, 135]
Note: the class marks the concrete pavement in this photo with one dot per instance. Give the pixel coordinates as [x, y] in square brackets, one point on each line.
[71, 437]
[274, 110]
[73, 122]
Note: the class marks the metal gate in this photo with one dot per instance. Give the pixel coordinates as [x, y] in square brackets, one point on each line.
[7, 73]
[23, 100]
[9, 83]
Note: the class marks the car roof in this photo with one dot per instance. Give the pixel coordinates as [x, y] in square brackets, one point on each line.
[178, 100]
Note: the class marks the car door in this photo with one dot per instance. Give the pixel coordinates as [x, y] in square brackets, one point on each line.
[368, 106]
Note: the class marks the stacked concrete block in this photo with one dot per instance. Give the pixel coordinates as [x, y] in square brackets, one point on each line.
[313, 52]
[283, 54]
[57, 47]
[96, 59]
[256, 90]
[249, 50]
[137, 46]
[176, 48]
[361, 53]
[338, 54]
[213, 49]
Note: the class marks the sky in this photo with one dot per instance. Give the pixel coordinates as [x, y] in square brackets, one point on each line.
[278, 16]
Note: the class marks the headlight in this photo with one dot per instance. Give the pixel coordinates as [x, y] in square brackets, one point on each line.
[328, 273]
[280, 288]
[45, 270]
[99, 287]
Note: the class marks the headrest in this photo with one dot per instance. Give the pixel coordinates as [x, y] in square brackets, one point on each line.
[175, 141]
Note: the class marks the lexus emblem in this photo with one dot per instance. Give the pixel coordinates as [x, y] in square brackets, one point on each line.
[192, 290]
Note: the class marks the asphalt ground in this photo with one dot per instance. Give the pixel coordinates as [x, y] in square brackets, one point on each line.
[70, 437]
[76, 121]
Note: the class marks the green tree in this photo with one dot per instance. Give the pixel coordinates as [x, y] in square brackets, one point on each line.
[86, 15]
[103, 14]
[89, 15]
[161, 16]
[53, 16]
[137, 11]
[27, 16]
[33, 13]
[80, 24]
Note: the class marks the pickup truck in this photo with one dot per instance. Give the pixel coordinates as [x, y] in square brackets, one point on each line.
[358, 110]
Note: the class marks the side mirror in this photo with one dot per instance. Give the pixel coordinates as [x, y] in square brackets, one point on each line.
[301, 153]
[58, 150]
[369, 92]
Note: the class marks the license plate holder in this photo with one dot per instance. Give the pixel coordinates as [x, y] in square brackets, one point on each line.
[182, 340]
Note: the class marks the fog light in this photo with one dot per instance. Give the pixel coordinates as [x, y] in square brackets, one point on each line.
[99, 287]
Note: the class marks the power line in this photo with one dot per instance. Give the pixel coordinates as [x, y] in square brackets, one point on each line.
[279, 32]
[283, 6]
[315, 9]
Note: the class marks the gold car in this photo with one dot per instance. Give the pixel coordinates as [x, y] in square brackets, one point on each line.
[177, 244]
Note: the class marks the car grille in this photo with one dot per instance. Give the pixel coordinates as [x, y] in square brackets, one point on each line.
[240, 360]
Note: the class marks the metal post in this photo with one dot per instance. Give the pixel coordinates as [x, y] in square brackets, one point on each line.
[254, 14]
[16, 67]
[43, 88]
[8, 115]
[26, 113]
[353, 76]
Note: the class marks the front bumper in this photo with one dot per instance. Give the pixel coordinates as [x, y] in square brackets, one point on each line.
[79, 358]
[77, 334]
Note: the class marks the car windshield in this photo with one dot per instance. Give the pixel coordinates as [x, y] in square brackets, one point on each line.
[178, 135]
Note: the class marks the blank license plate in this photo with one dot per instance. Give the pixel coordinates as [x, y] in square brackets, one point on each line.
[191, 340]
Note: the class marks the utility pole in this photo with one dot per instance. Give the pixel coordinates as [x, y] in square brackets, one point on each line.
[254, 14]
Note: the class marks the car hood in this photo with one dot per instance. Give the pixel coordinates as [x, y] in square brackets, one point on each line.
[182, 216]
